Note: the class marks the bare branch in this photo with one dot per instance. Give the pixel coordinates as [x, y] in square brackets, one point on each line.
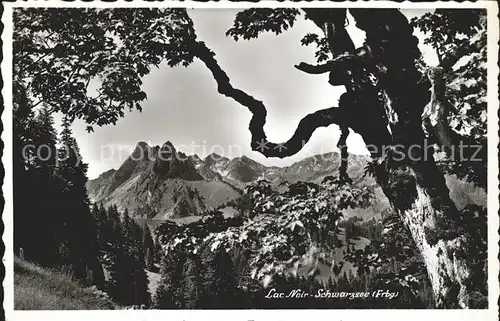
[344, 177]
[314, 69]
[305, 128]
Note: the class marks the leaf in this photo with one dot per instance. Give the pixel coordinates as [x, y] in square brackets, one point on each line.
[253, 273]
[266, 281]
[293, 224]
[250, 23]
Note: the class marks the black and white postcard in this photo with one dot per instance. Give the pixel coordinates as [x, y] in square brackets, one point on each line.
[250, 161]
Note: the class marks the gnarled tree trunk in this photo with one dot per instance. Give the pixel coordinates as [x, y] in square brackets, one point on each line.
[408, 173]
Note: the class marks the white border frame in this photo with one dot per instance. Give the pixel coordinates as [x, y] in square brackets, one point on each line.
[375, 315]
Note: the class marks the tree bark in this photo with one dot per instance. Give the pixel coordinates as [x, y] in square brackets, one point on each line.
[418, 193]
[413, 183]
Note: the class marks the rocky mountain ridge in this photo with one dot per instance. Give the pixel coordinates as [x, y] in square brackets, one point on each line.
[161, 182]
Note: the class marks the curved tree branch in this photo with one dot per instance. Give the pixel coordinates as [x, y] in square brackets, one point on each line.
[344, 155]
[259, 143]
[314, 69]
[359, 58]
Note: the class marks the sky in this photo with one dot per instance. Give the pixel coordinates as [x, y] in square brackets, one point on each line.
[184, 107]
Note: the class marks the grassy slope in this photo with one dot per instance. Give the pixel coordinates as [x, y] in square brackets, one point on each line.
[37, 288]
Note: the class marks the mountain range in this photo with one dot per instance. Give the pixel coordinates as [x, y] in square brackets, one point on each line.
[163, 183]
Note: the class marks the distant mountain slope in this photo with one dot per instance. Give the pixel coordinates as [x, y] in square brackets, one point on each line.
[159, 181]
[243, 170]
